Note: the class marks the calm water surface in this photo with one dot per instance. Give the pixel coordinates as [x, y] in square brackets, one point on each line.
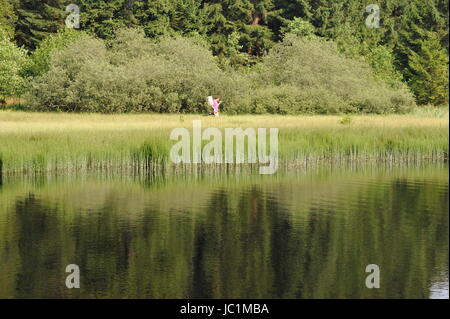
[304, 233]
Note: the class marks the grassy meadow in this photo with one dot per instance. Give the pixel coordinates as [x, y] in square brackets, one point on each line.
[35, 142]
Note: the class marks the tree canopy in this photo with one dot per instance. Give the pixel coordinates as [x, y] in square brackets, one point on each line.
[410, 42]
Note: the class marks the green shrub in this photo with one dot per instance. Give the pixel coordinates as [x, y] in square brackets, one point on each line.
[288, 99]
[322, 80]
[13, 60]
[58, 41]
[63, 87]
[134, 75]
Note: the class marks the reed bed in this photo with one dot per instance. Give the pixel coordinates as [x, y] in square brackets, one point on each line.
[40, 142]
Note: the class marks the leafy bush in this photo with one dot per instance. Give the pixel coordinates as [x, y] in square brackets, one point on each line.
[310, 75]
[13, 60]
[134, 75]
[41, 56]
[288, 99]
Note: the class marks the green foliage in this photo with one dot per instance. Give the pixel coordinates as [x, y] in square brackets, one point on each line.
[241, 32]
[429, 71]
[58, 41]
[157, 17]
[311, 76]
[37, 19]
[299, 27]
[134, 75]
[104, 17]
[13, 60]
[233, 55]
[248, 18]
[3, 33]
[137, 74]
[8, 17]
[344, 21]
[381, 59]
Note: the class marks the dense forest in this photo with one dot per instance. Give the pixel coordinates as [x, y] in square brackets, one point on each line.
[276, 56]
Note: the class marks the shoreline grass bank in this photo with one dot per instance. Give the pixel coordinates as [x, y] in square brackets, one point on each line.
[37, 142]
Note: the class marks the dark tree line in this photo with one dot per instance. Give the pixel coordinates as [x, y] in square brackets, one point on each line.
[241, 31]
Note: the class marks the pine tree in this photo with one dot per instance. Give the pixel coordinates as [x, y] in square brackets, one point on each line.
[241, 31]
[104, 17]
[188, 17]
[429, 70]
[344, 22]
[37, 19]
[8, 17]
[249, 20]
[156, 17]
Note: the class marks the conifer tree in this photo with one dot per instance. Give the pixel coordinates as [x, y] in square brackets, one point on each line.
[8, 17]
[250, 20]
[37, 19]
[428, 68]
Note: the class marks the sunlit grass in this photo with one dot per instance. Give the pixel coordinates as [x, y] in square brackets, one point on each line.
[31, 141]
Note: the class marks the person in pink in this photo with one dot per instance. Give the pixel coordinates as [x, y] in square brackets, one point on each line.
[215, 102]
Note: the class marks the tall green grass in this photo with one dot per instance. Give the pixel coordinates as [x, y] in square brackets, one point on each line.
[36, 142]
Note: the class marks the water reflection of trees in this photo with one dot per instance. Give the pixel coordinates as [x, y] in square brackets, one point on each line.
[246, 243]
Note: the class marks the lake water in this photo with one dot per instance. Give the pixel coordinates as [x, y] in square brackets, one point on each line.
[303, 233]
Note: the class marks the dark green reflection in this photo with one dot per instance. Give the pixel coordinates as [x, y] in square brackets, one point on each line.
[306, 234]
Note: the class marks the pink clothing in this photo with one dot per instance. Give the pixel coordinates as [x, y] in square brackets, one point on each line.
[215, 106]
